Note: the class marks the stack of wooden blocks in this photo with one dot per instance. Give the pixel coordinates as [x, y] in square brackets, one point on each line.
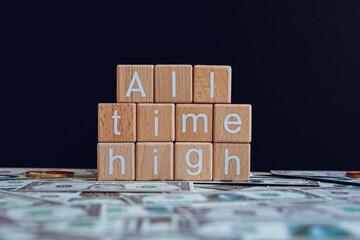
[174, 122]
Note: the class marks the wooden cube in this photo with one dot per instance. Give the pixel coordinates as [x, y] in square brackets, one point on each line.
[155, 122]
[117, 122]
[116, 161]
[154, 161]
[194, 122]
[135, 83]
[232, 123]
[173, 83]
[212, 84]
[193, 161]
[231, 161]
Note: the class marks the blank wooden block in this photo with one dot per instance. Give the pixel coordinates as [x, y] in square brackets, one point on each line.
[155, 122]
[116, 161]
[173, 83]
[117, 122]
[212, 84]
[154, 161]
[231, 161]
[193, 161]
[194, 122]
[232, 123]
[135, 83]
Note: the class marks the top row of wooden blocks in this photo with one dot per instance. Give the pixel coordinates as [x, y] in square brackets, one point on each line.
[173, 84]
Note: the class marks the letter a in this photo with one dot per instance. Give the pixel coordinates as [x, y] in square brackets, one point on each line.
[131, 89]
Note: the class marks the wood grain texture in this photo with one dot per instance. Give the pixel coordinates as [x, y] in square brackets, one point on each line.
[125, 131]
[147, 165]
[125, 74]
[236, 132]
[107, 153]
[241, 151]
[181, 166]
[183, 115]
[221, 84]
[148, 114]
[164, 83]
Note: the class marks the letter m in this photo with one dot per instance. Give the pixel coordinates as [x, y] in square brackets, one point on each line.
[195, 118]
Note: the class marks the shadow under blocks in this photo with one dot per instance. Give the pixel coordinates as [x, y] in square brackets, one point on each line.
[173, 122]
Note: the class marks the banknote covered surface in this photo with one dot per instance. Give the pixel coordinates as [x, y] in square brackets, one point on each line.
[268, 206]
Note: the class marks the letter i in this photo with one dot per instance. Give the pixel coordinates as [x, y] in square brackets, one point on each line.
[155, 162]
[173, 84]
[156, 124]
[211, 84]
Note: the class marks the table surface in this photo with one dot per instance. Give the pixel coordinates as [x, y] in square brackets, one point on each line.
[296, 205]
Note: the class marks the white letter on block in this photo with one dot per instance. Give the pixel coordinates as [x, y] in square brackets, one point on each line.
[131, 89]
[156, 122]
[199, 164]
[184, 117]
[212, 85]
[227, 122]
[116, 117]
[173, 84]
[227, 158]
[155, 162]
[111, 160]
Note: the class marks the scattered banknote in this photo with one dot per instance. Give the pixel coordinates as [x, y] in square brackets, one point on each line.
[7, 173]
[266, 207]
[11, 185]
[266, 181]
[326, 176]
[258, 195]
[110, 186]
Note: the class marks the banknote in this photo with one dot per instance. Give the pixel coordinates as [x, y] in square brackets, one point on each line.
[229, 213]
[269, 207]
[282, 213]
[310, 173]
[12, 200]
[130, 186]
[240, 197]
[52, 212]
[271, 230]
[20, 172]
[326, 176]
[334, 192]
[11, 185]
[263, 181]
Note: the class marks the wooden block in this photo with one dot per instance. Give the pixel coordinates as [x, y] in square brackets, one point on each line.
[173, 83]
[135, 83]
[117, 122]
[231, 161]
[154, 161]
[193, 161]
[116, 161]
[194, 122]
[156, 122]
[232, 123]
[212, 84]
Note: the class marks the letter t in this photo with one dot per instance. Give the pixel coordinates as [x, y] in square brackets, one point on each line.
[116, 117]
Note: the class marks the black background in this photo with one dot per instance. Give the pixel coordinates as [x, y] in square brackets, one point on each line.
[296, 62]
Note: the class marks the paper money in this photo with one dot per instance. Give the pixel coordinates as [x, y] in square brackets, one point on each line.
[326, 176]
[269, 207]
[266, 182]
[130, 186]
[239, 197]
